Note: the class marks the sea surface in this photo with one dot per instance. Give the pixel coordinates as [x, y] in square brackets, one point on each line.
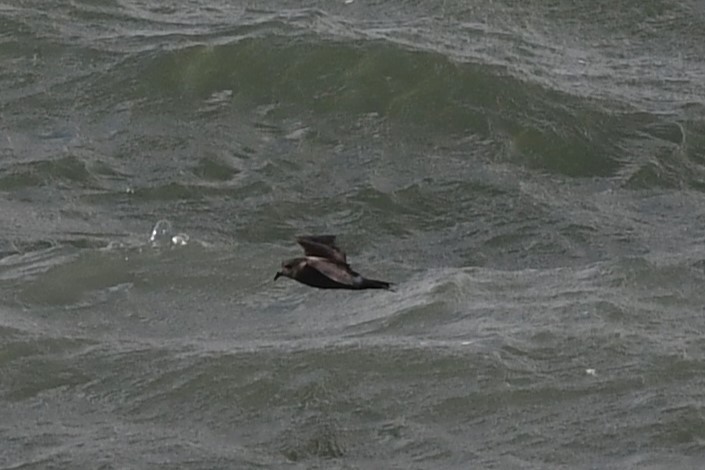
[530, 175]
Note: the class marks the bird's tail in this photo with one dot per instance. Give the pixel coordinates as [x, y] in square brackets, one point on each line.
[374, 284]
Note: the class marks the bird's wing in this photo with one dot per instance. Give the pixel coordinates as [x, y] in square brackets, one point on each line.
[322, 246]
[340, 273]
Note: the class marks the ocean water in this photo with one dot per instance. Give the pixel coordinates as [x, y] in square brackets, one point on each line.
[530, 175]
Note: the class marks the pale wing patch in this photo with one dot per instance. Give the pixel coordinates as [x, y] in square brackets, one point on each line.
[337, 272]
[323, 247]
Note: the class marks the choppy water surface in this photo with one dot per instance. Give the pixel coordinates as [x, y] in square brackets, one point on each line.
[531, 175]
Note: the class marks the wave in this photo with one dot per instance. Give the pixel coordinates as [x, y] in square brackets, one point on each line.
[329, 69]
[430, 94]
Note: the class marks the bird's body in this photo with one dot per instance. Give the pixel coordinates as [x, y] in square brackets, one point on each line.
[325, 266]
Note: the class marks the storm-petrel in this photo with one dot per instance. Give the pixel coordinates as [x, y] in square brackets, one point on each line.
[325, 266]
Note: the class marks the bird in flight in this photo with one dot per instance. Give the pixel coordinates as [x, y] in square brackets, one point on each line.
[325, 266]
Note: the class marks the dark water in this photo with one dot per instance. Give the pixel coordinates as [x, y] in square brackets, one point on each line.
[530, 174]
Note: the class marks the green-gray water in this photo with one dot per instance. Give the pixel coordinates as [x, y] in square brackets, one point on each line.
[531, 175]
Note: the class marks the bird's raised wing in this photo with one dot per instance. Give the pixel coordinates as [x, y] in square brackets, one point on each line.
[339, 273]
[322, 246]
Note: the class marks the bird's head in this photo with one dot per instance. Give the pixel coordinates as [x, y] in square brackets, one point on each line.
[288, 269]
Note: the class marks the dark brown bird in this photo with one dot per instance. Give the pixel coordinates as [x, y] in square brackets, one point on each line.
[325, 266]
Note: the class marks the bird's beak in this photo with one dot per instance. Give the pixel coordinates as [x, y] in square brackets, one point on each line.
[278, 275]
